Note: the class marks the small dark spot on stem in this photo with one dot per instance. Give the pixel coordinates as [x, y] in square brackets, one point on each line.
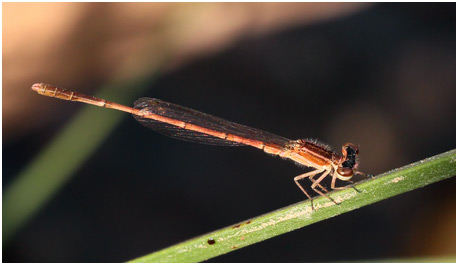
[211, 241]
[234, 247]
[239, 225]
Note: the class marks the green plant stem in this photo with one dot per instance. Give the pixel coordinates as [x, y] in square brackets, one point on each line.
[296, 216]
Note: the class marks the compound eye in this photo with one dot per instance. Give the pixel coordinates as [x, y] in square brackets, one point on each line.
[351, 146]
[345, 171]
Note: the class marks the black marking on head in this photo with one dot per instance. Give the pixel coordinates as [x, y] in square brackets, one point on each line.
[350, 159]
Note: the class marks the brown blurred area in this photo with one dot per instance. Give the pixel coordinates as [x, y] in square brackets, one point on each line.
[91, 43]
[381, 76]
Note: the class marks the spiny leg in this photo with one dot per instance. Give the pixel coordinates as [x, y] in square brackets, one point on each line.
[317, 183]
[351, 185]
[322, 188]
[364, 174]
[333, 184]
[305, 175]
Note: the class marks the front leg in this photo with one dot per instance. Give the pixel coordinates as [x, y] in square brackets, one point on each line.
[317, 182]
[333, 184]
[306, 175]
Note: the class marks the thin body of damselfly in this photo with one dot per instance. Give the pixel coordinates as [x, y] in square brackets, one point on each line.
[191, 125]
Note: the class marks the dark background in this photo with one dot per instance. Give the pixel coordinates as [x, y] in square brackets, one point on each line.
[382, 77]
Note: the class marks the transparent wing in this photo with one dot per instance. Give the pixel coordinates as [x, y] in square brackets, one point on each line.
[191, 116]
